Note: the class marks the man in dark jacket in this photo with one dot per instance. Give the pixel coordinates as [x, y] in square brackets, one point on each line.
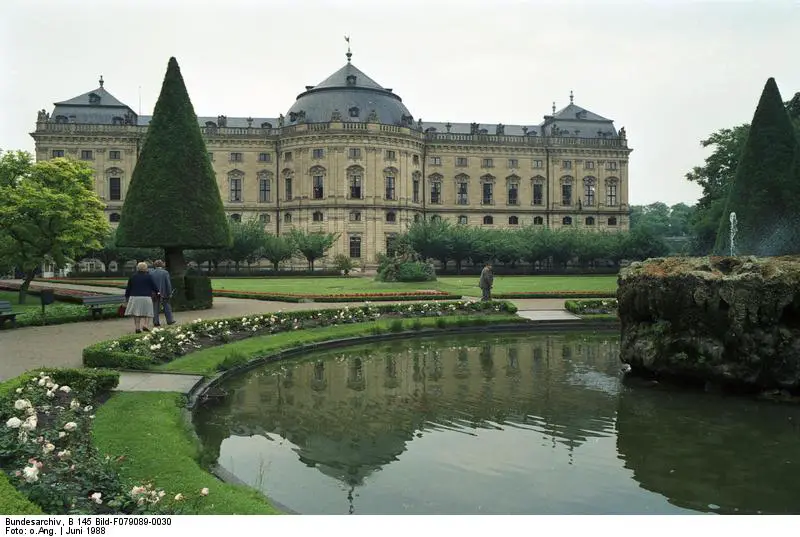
[164, 284]
[486, 281]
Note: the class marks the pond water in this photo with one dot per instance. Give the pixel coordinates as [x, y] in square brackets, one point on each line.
[498, 424]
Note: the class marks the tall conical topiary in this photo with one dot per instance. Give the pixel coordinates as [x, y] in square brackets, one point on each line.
[173, 201]
[765, 194]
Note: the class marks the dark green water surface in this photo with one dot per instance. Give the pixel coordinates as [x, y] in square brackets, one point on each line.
[498, 424]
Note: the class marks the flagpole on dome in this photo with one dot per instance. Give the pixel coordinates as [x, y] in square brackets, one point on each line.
[349, 54]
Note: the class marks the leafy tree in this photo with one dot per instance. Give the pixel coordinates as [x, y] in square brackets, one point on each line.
[461, 242]
[173, 201]
[313, 245]
[764, 193]
[680, 216]
[278, 248]
[248, 241]
[429, 238]
[535, 244]
[507, 246]
[109, 252]
[48, 212]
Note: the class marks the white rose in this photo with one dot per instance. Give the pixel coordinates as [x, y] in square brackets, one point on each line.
[13, 423]
[70, 426]
[30, 423]
[47, 448]
[74, 404]
[22, 404]
[97, 498]
[30, 473]
[65, 389]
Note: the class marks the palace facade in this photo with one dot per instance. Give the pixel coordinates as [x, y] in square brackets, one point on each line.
[348, 157]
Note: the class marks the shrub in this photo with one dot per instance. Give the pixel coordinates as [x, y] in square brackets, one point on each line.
[344, 264]
[441, 322]
[416, 271]
[234, 359]
[584, 307]
[191, 293]
[417, 324]
[396, 326]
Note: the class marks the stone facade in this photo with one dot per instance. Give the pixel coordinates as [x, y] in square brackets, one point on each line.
[349, 158]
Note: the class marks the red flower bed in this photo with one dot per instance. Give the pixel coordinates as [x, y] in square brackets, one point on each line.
[339, 295]
[64, 295]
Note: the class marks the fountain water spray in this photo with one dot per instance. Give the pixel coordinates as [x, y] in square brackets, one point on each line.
[733, 232]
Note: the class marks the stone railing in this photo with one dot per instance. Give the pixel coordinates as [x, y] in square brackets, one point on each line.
[535, 141]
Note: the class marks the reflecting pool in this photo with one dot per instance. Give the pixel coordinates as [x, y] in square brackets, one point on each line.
[498, 424]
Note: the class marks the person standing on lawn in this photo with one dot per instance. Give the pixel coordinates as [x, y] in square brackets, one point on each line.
[486, 282]
[164, 284]
[139, 297]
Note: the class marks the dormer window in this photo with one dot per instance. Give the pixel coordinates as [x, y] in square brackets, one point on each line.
[351, 80]
[354, 111]
[292, 117]
[62, 119]
[266, 125]
[94, 98]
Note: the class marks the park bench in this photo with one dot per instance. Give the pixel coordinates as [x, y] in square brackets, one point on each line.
[98, 303]
[6, 314]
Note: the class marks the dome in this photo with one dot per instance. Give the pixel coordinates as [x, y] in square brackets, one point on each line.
[354, 95]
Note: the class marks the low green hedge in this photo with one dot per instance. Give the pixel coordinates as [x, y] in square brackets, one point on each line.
[557, 294]
[191, 293]
[353, 297]
[143, 351]
[592, 307]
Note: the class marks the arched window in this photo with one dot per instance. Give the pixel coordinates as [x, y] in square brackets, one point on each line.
[612, 220]
[488, 220]
[287, 217]
[513, 221]
[113, 217]
[567, 221]
[391, 217]
[589, 220]
[317, 216]
[355, 174]
[263, 218]
[462, 219]
[318, 182]
[538, 221]
[235, 184]
[236, 217]
[589, 190]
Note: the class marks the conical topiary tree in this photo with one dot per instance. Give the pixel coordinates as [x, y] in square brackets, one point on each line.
[765, 194]
[173, 201]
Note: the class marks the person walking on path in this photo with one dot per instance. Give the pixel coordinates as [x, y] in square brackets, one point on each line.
[486, 281]
[139, 297]
[164, 284]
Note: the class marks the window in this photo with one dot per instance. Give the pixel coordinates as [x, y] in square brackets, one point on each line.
[538, 193]
[588, 192]
[236, 157]
[487, 163]
[353, 111]
[86, 154]
[588, 164]
[391, 217]
[355, 216]
[355, 246]
[463, 220]
[264, 190]
[612, 220]
[58, 153]
[611, 165]
[538, 164]
[318, 190]
[354, 153]
[462, 193]
[391, 155]
[488, 220]
[487, 198]
[390, 193]
[113, 217]
[355, 186]
[236, 217]
[589, 221]
[566, 194]
[415, 159]
[513, 221]
[317, 216]
[317, 153]
[566, 164]
[436, 161]
[114, 155]
[287, 218]
[567, 220]
[513, 194]
[288, 188]
[263, 218]
[114, 188]
[436, 192]
[415, 191]
[235, 188]
[287, 156]
[462, 162]
[211, 156]
[264, 157]
[513, 163]
[538, 221]
[611, 194]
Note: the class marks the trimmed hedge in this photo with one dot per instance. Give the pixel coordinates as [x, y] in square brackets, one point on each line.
[191, 293]
[142, 351]
[359, 297]
[557, 294]
[589, 307]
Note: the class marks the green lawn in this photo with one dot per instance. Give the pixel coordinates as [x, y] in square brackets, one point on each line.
[31, 302]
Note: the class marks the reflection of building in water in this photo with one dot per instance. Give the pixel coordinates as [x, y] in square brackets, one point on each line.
[353, 411]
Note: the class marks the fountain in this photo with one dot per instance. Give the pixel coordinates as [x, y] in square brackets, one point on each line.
[733, 233]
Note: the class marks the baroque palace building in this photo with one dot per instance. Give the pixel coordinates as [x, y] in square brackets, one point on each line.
[349, 157]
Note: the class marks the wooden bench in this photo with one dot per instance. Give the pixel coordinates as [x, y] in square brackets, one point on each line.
[98, 303]
[6, 314]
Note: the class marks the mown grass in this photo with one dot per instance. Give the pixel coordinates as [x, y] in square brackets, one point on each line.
[207, 361]
[148, 428]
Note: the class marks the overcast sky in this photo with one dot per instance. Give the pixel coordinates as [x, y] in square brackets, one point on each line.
[670, 72]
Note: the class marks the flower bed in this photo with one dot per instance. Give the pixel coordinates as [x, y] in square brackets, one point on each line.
[142, 351]
[60, 294]
[606, 306]
[557, 294]
[349, 297]
[60, 312]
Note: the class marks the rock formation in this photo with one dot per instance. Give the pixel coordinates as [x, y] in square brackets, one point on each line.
[731, 321]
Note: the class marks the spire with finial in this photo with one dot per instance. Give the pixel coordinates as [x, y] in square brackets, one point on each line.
[101, 81]
[571, 96]
[349, 54]
[554, 107]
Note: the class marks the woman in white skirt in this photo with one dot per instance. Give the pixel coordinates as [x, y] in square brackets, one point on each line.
[139, 298]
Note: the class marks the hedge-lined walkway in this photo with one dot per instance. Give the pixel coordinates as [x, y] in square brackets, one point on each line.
[23, 349]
